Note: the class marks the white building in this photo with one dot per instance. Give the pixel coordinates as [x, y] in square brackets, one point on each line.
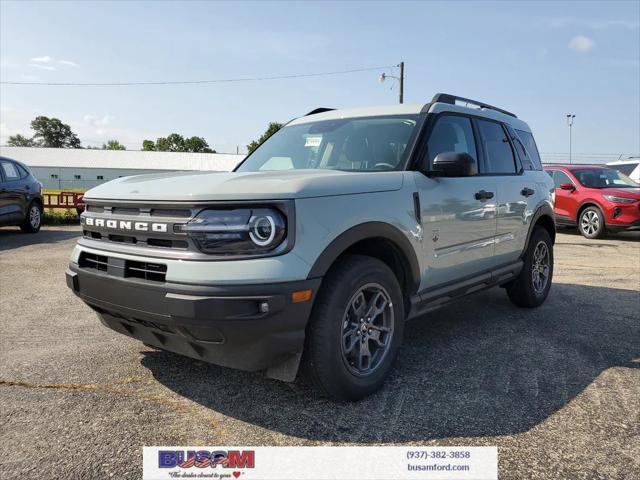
[81, 169]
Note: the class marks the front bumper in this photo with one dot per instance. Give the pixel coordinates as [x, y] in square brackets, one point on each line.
[624, 227]
[225, 325]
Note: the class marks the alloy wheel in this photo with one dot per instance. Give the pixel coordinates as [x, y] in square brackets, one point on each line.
[34, 217]
[540, 268]
[590, 222]
[367, 329]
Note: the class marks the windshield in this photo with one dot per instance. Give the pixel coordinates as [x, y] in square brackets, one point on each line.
[352, 144]
[603, 178]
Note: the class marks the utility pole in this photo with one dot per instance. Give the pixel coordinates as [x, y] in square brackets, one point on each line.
[401, 82]
[400, 79]
[570, 118]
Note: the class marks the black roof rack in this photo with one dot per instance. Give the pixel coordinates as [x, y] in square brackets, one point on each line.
[574, 164]
[319, 110]
[452, 99]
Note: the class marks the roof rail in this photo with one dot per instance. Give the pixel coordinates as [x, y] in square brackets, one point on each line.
[452, 99]
[574, 164]
[319, 110]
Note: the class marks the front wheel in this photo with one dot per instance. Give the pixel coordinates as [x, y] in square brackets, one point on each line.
[355, 329]
[591, 223]
[532, 286]
[33, 220]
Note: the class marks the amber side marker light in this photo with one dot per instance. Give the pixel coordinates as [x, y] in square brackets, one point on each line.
[301, 296]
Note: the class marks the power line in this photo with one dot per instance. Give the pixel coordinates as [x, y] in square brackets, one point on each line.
[194, 82]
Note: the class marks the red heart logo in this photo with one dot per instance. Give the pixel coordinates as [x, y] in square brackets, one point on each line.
[236, 474]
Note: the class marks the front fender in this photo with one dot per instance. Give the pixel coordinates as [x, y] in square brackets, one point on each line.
[365, 231]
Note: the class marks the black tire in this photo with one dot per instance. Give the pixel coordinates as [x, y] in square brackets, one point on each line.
[523, 292]
[325, 360]
[33, 219]
[591, 223]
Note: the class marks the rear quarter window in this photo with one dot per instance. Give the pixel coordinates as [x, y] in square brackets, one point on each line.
[532, 149]
[24, 173]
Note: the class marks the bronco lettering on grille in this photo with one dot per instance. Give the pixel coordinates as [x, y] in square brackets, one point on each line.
[125, 225]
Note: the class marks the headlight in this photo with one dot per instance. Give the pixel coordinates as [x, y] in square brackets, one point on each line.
[614, 199]
[243, 231]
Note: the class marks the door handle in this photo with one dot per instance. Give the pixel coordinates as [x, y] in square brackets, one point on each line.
[482, 195]
[527, 192]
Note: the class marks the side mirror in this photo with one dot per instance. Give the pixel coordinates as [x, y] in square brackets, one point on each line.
[567, 186]
[452, 164]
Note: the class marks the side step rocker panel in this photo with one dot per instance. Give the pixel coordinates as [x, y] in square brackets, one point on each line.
[439, 296]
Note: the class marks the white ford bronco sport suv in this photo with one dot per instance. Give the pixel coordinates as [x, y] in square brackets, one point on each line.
[324, 241]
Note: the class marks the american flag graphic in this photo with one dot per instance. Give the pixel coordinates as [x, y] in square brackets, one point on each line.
[203, 461]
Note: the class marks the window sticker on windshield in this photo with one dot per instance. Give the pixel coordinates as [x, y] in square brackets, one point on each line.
[312, 141]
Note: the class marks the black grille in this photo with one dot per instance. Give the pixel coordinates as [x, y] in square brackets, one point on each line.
[161, 242]
[93, 261]
[154, 272]
[89, 234]
[155, 212]
[131, 214]
[122, 238]
[117, 267]
[125, 211]
[175, 213]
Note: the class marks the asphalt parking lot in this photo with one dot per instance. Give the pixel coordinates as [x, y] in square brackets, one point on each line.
[557, 388]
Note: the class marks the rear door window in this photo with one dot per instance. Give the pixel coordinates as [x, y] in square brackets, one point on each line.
[497, 148]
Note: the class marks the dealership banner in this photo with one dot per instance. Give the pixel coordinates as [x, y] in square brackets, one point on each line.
[320, 463]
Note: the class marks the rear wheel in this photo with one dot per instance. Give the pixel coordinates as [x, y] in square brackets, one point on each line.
[33, 220]
[532, 286]
[355, 329]
[591, 223]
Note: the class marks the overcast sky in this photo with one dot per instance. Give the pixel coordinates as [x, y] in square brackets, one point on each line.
[539, 60]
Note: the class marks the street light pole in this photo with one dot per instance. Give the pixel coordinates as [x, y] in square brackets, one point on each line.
[570, 118]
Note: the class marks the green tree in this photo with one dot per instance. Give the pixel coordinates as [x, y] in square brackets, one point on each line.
[51, 132]
[21, 141]
[198, 145]
[271, 129]
[148, 145]
[172, 143]
[113, 145]
[177, 143]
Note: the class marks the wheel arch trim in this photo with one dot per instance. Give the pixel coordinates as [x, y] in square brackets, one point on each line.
[544, 210]
[365, 231]
[586, 204]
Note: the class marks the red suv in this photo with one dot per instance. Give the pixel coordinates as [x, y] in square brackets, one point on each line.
[595, 198]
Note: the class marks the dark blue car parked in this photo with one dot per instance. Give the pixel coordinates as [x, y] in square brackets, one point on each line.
[20, 196]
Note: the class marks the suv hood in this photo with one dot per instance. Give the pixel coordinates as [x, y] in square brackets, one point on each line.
[215, 186]
[631, 192]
